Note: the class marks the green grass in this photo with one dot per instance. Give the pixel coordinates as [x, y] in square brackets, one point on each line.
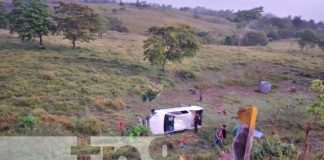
[85, 91]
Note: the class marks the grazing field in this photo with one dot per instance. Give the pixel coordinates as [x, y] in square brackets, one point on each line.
[59, 91]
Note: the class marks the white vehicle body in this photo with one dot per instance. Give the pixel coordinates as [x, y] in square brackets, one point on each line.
[174, 119]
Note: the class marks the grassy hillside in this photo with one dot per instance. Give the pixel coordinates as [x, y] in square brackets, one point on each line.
[139, 20]
[86, 91]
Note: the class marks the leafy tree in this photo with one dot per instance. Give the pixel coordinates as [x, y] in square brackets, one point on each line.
[321, 44]
[307, 39]
[317, 108]
[77, 22]
[254, 38]
[30, 19]
[228, 41]
[244, 17]
[297, 22]
[3, 16]
[170, 44]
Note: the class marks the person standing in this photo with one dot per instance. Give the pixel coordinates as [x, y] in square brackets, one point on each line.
[197, 120]
[121, 127]
[201, 95]
[220, 135]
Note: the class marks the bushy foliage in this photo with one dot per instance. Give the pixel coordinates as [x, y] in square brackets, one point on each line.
[77, 22]
[170, 44]
[188, 74]
[139, 130]
[230, 40]
[317, 108]
[272, 148]
[114, 24]
[254, 39]
[206, 37]
[88, 125]
[307, 39]
[3, 16]
[30, 19]
[152, 93]
[28, 122]
[321, 44]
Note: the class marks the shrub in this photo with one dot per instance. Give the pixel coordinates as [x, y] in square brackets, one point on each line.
[230, 40]
[321, 44]
[114, 24]
[114, 11]
[28, 122]
[187, 74]
[206, 37]
[273, 148]
[138, 130]
[254, 39]
[88, 125]
[273, 34]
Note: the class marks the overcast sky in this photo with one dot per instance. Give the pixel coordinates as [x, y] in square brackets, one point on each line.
[308, 9]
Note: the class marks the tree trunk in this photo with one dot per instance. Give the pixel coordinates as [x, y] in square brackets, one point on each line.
[306, 48]
[73, 42]
[41, 46]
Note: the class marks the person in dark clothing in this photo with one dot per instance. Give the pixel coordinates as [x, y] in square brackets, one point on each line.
[196, 121]
[201, 95]
[224, 131]
[220, 135]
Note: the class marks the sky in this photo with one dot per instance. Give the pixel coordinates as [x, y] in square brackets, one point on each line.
[308, 9]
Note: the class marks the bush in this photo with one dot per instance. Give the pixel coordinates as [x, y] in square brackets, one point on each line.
[88, 125]
[230, 40]
[187, 74]
[206, 37]
[29, 122]
[254, 39]
[115, 24]
[273, 148]
[139, 130]
[321, 44]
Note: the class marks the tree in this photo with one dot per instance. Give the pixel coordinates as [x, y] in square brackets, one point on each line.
[321, 44]
[252, 38]
[244, 17]
[298, 22]
[307, 39]
[3, 16]
[170, 44]
[77, 22]
[30, 19]
[317, 108]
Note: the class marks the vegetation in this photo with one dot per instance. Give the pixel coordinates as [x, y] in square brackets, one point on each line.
[59, 91]
[244, 17]
[254, 39]
[29, 122]
[170, 44]
[138, 130]
[115, 24]
[317, 108]
[88, 125]
[30, 19]
[77, 22]
[273, 148]
[3, 16]
[307, 39]
[152, 93]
